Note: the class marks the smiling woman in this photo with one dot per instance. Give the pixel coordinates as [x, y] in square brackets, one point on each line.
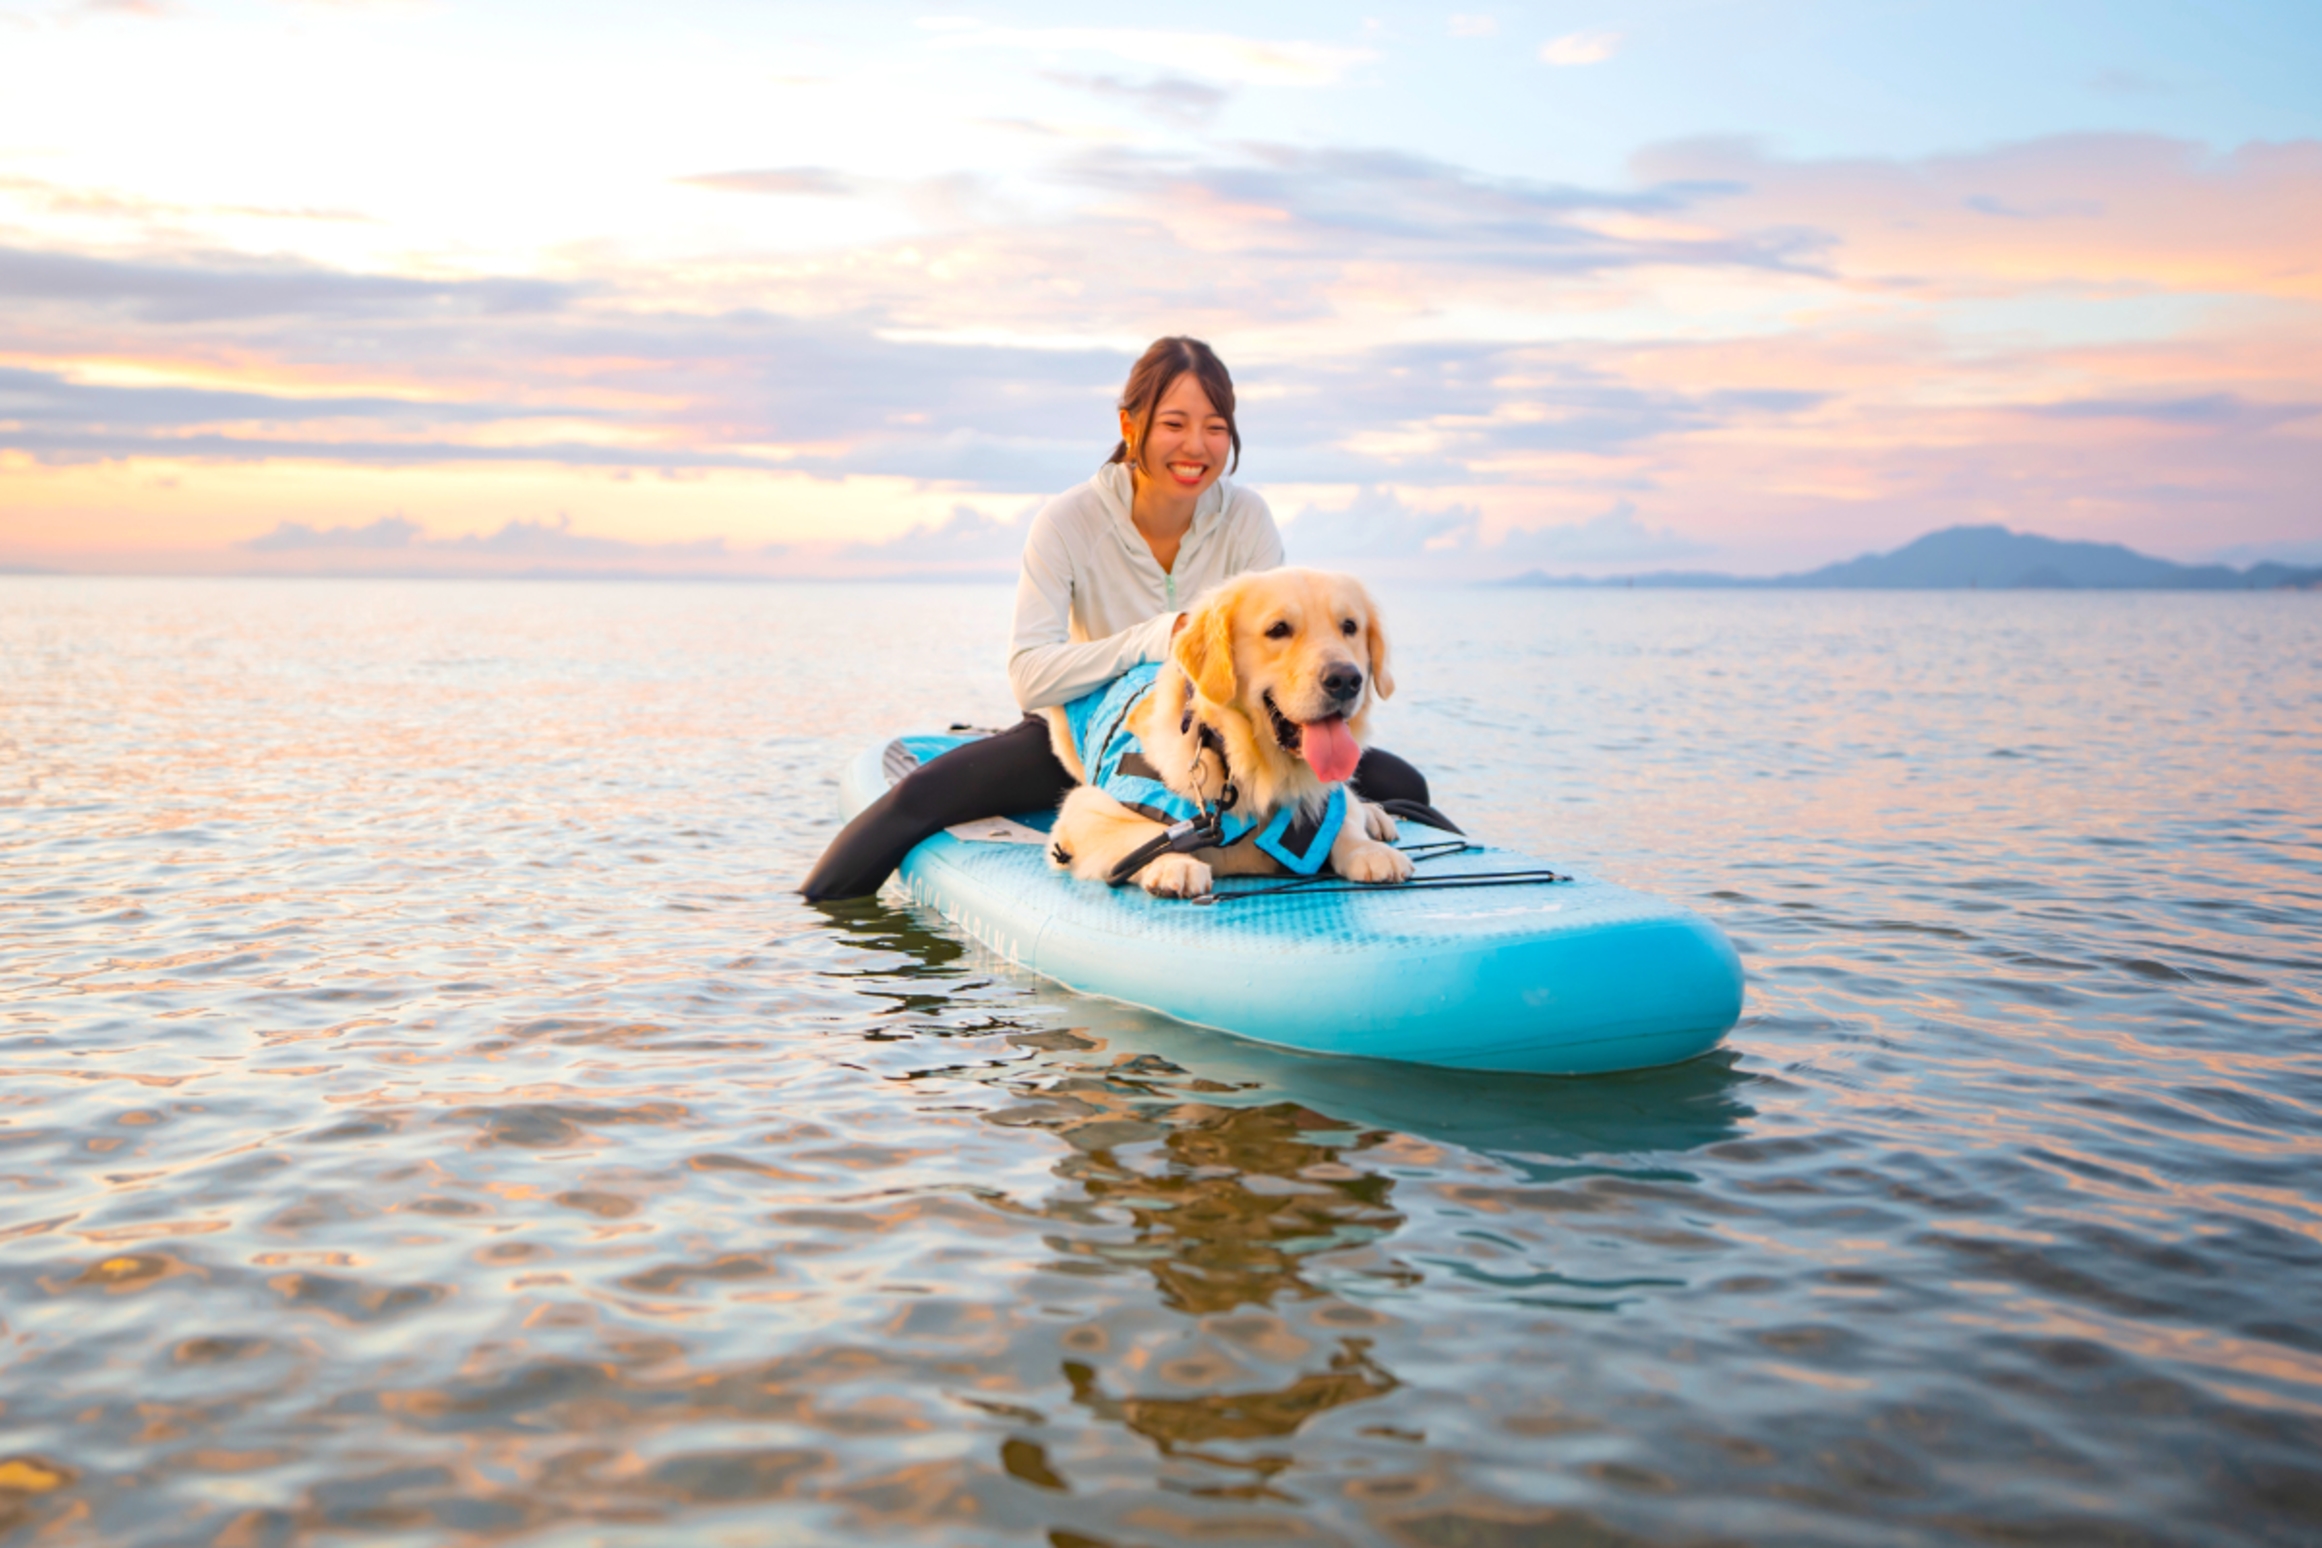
[1107, 568]
[1107, 565]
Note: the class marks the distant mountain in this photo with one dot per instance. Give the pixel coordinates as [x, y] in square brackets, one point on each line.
[1995, 558]
[1992, 558]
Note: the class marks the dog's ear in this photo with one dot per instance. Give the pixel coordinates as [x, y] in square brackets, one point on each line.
[1375, 640]
[1205, 647]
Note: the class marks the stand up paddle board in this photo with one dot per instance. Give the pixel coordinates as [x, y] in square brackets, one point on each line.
[1486, 964]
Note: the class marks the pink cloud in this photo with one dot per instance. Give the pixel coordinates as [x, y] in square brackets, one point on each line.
[2082, 211]
[1771, 361]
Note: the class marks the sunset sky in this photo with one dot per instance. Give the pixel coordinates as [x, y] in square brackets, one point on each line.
[703, 288]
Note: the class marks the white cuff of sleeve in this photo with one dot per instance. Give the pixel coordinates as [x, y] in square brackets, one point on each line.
[1158, 633]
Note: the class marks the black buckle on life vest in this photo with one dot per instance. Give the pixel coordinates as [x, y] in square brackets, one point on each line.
[1229, 792]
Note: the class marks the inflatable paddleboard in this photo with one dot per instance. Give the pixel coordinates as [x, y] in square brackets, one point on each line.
[1566, 977]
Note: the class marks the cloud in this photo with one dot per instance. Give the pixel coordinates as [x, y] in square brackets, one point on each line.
[1480, 414]
[66, 447]
[1171, 98]
[2053, 209]
[1841, 350]
[1580, 48]
[60, 199]
[294, 536]
[1377, 525]
[852, 392]
[815, 181]
[966, 538]
[1616, 537]
[230, 287]
[2144, 211]
[1379, 532]
[517, 539]
[61, 421]
[1470, 26]
[2216, 410]
[43, 398]
[965, 543]
[636, 390]
[1215, 55]
[1390, 207]
[525, 539]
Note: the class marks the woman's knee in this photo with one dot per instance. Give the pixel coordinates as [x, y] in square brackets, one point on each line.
[1381, 776]
[922, 798]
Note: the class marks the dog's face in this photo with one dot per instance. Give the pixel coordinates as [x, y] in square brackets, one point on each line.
[1300, 655]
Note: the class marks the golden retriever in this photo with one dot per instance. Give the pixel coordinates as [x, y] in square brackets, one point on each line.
[1281, 666]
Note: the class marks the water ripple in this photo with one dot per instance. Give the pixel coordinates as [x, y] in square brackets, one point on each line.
[429, 1117]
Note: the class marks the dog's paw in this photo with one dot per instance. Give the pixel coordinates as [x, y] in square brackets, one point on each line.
[1378, 824]
[1175, 876]
[1377, 863]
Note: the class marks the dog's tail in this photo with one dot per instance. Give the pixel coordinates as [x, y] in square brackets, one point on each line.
[1060, 742]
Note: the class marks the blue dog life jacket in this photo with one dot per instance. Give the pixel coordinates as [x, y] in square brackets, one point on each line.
[1101, 735]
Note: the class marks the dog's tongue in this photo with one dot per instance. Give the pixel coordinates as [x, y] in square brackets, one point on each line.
[1329, 748]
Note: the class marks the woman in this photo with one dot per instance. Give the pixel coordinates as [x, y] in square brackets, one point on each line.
[1107, 568]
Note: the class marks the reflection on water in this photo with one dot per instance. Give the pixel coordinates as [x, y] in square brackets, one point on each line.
[1525, 1120]
[427, 1117]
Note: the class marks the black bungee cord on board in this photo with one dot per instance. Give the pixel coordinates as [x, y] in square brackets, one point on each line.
[1207, 831]
[1322, 882]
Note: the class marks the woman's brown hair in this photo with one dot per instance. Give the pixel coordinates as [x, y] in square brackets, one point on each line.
[1157, 370]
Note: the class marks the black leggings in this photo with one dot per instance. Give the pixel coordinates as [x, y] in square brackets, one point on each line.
[999, 776]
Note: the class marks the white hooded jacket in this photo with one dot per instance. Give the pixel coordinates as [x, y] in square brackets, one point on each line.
[1093, 602]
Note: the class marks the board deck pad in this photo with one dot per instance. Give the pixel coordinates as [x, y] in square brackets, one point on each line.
[996, 830]
[1574, 977]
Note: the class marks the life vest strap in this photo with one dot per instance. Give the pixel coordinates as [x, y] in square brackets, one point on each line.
[1114, 761]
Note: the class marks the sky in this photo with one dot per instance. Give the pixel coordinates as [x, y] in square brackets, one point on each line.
[416, 286]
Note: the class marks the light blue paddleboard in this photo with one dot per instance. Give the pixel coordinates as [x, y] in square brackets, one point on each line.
[1577, 977]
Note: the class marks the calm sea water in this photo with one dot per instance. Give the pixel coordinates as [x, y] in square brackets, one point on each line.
[426, 1116]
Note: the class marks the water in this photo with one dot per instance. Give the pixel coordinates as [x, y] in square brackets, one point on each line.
[426, 1118]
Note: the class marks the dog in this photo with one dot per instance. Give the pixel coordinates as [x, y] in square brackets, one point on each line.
[1269, 684]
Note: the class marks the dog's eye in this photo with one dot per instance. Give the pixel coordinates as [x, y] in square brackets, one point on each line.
[1279, 630]
[1346, 626]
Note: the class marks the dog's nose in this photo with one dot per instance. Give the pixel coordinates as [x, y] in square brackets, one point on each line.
[1343, 681]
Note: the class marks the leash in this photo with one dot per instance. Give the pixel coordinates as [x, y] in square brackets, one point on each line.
[1206, 831]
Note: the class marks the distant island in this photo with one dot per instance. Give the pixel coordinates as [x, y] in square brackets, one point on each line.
[1989, 558]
